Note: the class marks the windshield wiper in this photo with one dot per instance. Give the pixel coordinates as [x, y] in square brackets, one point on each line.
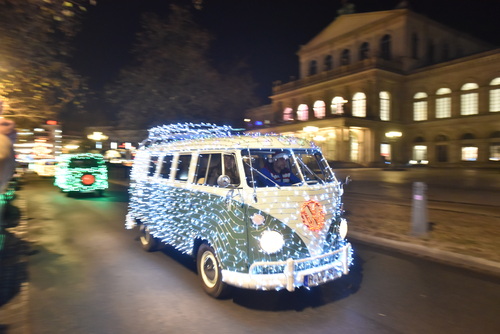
[263, 175]
[302, 163]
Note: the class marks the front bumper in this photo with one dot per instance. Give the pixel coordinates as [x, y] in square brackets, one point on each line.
[292, 278]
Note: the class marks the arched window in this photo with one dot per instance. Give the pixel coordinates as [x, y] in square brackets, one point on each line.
[319, 109]
[495, 95]
[469, 99]
[441, 138]
[313, 67]
[328, 63]
[337, 105]
[345, 58]
[359, 105]
[288, 114]
[364, 51]
[468, 136]
[443, 103]
[414, 46]
[385, 47]
[385, 106]
[420, 107]
[303, 112]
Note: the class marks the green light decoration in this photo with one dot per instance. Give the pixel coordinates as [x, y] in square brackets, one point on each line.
[85, 172]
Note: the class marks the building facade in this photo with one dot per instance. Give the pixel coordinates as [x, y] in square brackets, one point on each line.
[392, 86]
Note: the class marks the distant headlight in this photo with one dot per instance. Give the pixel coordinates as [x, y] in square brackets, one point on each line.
[271, 241]
[343, 228]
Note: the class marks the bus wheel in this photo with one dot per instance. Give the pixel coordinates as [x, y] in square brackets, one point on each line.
[148, 242]
[210, 273]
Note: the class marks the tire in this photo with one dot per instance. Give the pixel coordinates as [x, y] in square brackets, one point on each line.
[148, 242]
[210, 273]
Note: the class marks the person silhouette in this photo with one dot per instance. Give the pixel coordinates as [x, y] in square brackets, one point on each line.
[278, 172]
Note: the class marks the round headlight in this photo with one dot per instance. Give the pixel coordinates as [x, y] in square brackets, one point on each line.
[343, 228]
[271, 241]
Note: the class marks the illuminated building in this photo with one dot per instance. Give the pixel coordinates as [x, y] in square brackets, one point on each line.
[42, 142]
[370, 74]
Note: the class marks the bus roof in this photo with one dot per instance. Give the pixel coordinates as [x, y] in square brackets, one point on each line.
[208, 136]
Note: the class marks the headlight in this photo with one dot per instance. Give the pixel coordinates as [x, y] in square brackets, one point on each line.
[271, 241]
[343, 228]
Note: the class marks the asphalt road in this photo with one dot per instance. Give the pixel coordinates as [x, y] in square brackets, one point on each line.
[88, 274]
[478, 187]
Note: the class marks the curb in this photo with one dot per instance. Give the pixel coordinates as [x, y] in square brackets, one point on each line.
[437, 255]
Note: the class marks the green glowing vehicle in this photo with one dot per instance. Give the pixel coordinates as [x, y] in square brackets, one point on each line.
[82, 173]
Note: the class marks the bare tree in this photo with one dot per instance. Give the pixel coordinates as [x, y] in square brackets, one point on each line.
[173, 79]
[36, 81]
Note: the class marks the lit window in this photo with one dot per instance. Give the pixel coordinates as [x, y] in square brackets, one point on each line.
[385, 106]
[495, 95]
[337, 105]
[359, 105]
[495, 152]
[303, 112]
[469, 153]
[468, 101]
[443, 103]
[288, 114]
[385, 152]
[319, 109]
[420, 153]
[420, 107]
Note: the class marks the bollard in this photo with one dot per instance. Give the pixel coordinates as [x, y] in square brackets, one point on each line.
[420, 225]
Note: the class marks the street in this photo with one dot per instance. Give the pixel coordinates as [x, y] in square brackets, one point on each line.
[87, 274]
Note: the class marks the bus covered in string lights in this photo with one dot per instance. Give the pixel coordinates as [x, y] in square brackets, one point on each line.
[213, 194]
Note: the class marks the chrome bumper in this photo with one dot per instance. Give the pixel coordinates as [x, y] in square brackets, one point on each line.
[292, 278]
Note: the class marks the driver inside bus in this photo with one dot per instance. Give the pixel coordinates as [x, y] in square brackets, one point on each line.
[278, 172]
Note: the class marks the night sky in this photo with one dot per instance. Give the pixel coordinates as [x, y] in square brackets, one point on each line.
[265, 33]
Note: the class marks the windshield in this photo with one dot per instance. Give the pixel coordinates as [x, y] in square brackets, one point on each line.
[83, 163]
[278, 167]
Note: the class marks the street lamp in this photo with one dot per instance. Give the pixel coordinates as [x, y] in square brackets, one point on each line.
[98, 137]
[392, 137]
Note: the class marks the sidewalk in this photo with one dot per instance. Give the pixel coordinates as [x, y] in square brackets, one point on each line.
[466, 240]
[14, 285]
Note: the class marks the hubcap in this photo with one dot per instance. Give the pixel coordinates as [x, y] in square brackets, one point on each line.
[209, 269]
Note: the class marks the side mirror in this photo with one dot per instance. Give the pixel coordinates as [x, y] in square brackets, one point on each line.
[223, 181]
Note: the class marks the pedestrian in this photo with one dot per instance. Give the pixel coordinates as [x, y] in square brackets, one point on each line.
[7, 155]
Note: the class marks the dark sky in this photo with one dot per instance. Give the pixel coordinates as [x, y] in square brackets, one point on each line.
[265, 33]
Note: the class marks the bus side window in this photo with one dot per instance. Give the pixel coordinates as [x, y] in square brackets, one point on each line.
[183, 167]
[201, 176]
[214, 169]
[152, 165]
[230, 169]
[166, 166]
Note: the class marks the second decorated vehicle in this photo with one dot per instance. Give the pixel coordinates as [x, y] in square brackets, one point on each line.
[81, 173]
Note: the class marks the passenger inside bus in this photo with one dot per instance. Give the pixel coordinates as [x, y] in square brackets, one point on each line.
[278, 171]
